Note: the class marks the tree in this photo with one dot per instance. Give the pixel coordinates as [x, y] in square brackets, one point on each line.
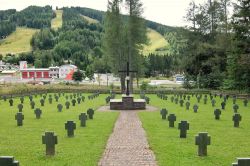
[78, 76]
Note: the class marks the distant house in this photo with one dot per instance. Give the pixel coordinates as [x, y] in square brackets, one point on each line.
[66, 71]
[9, 73]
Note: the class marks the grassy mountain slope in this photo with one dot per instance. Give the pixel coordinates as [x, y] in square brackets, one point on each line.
[90, 20]
[17, 42]
[57, 21]
[156, 41]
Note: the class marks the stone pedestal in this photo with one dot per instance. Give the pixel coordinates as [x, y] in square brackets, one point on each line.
[127, 103]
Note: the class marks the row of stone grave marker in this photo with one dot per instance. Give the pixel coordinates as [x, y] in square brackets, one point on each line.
[202, 139]
[19, 117]
[183, 97]
[94, 95]
[146, 98]
[111, 96]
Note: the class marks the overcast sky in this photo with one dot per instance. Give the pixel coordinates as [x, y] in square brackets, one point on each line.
[168, 12]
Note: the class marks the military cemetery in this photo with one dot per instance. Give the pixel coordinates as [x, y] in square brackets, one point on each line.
[125, 83]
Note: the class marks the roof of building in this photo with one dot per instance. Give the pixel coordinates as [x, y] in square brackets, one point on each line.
[35, 69]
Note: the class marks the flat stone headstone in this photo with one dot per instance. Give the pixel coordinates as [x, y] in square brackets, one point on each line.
[164, 113]
[242, 162]
[32, 104]
[19, 117]
[20, 107]
[202, 140]
[67, 104]
[171, 119]
[70, 126]
[83, 118]
[217, 113]
[59, 107]
[38, 113]
[183, 126]
[90, 113]
[50, 140]
[8, 161]
[237, 118]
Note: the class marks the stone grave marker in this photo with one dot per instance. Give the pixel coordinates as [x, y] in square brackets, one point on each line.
[181, 102]
[31, 98]
[245, 102]
[42, 102]
[198, 99]
[50, 100]
[59, 107]
[83, 98]
[90, 113]
[187, 105]
[202, 140]
[71, 96]
[195, 108]
[217, 113]
[56, 98]
[234, 99]
[32, 104]
[235, 108]
[213, 101]
[22, 99]
[188, 97]
[8, 161]
[220, 95]
[79, 100]
[176, 100]
[11, 102]
[4, 98]
[205, 100]
[66, 97]
[70, 126]
[225, 99]
[164, 113]
[19, 117]
[73, 102]
[237, 118]
[20, 107]
[242, 162]
[223, 104]
[172, 99]
[44, 97]
[50, 140]
[171, 119]
[183, 127]
[67, 104]
[38, 113]
[83, 118]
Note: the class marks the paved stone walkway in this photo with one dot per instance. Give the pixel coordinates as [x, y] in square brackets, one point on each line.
[128, 145]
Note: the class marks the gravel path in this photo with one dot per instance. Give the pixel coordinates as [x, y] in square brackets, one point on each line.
[128, 145]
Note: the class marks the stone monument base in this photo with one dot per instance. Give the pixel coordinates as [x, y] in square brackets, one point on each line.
[127, 103]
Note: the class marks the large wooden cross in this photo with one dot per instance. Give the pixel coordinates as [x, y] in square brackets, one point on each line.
[127, 77]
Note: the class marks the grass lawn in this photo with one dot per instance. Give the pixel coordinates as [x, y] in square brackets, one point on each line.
[18, 41]
[57, 21]
[227, 142]
[25, 143]
[156, 41]
[90, 20]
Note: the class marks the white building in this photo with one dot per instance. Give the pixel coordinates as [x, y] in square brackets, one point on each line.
[66, 70]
